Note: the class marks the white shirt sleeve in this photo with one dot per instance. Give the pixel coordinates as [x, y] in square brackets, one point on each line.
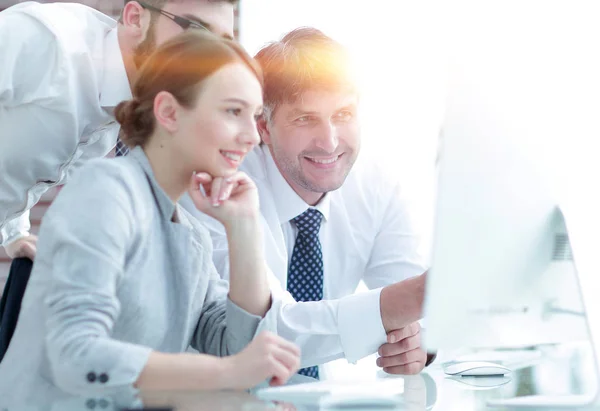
[15, 229]
[326, 330]
[37, 115]
[397, 252]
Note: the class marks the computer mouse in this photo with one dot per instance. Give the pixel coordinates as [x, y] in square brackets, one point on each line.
[359, 400]
[475, 368]
[478, 383]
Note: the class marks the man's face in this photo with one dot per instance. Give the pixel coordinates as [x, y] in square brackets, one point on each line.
[315, 141]
[217, 16]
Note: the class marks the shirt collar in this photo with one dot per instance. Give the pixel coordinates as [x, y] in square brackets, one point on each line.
[165, 205]
[114, 87]
[287, 201]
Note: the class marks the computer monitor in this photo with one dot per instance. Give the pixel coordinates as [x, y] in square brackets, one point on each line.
[512, 262]
[503, 272]
[502, 267]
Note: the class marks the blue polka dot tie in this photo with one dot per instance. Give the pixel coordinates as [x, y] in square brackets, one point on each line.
[305, 274]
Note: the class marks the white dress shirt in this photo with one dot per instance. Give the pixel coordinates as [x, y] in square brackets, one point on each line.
[61, 76]
[366, 234]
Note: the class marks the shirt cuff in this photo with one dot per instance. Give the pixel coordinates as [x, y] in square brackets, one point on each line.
[360, 325]
[15, 229]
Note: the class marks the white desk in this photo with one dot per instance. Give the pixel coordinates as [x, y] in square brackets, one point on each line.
[560, 371]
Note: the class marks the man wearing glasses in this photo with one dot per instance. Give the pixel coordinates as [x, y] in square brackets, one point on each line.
[64, 68]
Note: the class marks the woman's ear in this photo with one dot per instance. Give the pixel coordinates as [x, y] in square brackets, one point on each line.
[166, 111]
[263, 129]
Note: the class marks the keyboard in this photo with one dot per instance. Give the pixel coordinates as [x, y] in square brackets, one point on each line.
[316, 392]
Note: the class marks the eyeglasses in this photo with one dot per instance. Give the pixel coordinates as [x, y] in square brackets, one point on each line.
[180, 21]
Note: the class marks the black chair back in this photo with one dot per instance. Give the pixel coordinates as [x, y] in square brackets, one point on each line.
[10, 303]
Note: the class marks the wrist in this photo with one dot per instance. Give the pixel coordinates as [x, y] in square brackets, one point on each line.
[14, 238]
[402, 303]
[242, 224]
[225, 372]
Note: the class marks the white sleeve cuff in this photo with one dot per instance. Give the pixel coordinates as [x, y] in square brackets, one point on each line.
[360, 325]
[15, 229]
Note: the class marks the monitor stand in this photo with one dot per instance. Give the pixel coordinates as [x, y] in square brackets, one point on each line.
[583, 229]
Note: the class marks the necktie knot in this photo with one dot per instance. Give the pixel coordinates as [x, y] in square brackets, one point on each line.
[309, 222]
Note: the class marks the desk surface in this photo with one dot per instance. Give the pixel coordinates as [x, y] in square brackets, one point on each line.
[559, 371]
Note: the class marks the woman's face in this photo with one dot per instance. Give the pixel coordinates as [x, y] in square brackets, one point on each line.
[216, 134]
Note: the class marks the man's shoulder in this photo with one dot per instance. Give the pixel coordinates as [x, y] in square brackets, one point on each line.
[368, 177]
[71, 24]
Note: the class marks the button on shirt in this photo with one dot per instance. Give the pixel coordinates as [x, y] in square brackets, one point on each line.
[366, 234]
[61, 74]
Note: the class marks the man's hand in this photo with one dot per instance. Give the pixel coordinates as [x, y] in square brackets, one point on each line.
[403, 353]
[23, 247]
[402, 303]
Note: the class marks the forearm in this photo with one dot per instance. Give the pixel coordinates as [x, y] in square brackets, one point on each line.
[183, 371]
[248, 285]
[402, 303]
[326, 330]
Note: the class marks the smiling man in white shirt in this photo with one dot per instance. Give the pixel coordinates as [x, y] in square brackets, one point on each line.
[64, 68]
[331, 219]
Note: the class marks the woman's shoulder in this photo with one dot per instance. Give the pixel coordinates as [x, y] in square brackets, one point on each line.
[104, 195]
[116, 171]
[107, 180]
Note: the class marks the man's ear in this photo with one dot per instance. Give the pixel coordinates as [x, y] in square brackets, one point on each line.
[263, 129]
[166, 111]
[135, 20]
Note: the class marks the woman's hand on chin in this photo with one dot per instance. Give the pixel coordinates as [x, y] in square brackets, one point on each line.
[229, 199]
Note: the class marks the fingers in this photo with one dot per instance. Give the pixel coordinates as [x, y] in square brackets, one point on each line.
[405, 358]
[216, 191]
[226, 189]
[288, 360]
[223, 187]
[288, 346]
[283, 356]
[402, 333]
[285, 406]
[280, 373]
[206, 189]
[199, 188]
[280, 342]
[200, 181]
[407, 369]
[29, 250]
[23, 247]
[240, 178]
[402, 346]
